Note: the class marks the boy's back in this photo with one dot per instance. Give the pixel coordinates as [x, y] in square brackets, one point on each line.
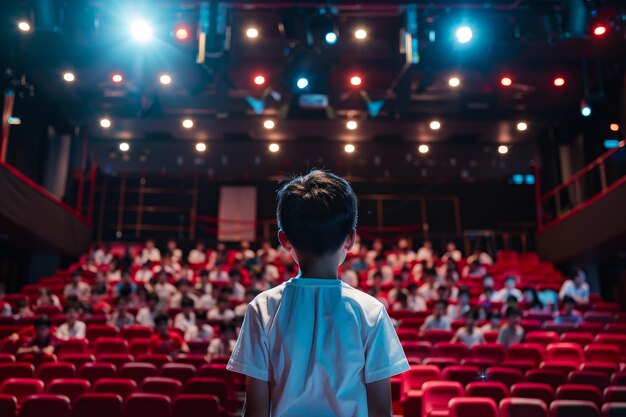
[317, 342]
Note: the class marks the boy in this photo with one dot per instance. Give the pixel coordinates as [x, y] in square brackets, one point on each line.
[314, 346]
[438, 320]
[72, 328]
[165, 342]
[511, 333]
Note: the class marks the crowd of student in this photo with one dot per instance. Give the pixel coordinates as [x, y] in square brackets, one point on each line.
[204, 295]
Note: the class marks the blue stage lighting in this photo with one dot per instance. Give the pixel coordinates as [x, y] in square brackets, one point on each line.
[331, 38]
[608, 143]
[302, 83]
[464, 34]
[141, 31]
[585, 111]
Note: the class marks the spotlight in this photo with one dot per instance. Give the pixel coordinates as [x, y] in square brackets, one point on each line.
[200, 147]
[274, 147]
[187, 123]
[302, 83]
[559, 82]
[105, 123]
[423, 149]
[454, 82]
[506, 81]
[24, 26]
[355, 80]
[464, 34]
[252, 33]
[435, 125]
[585, 110]
[331, 38]
[614, 127]
[165, 79]
[14, 120]
[599, 30]
[181, 33]
[349, 148]
[141, 31]
[124, 147]
[360, 34]
[69, 77]
[503, 149]
[269, 124]
[351, 125]
[522, 126]
[117, 78]
[259, 79]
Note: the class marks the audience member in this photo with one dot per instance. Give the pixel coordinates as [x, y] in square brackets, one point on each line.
[121, 318]
[144, 274]
[576, 287]
[451, 253]
[397, 289]
[44, 342]
[509, 290]
[459, 310]
[186, 319]
[150, 253]
[415, 302]
[126, 287]
[222, 310]
[223, 345]
[72, 328]
[481, 256]
[438, 320]
[469, 335]
[197, 256]
[428, 290]
[164, 341]
[47, 299]
[568, 313]
[172, 252]
[511, 333]
[531, 300]
[163, 288]
[184, 291]
[147, 314]
[78, 288]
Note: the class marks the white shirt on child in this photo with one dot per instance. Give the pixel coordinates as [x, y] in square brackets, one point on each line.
[317, 342]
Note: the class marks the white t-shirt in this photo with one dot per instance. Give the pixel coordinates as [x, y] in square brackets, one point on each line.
[317, 342]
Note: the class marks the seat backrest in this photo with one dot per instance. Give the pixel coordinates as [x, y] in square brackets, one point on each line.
[92, 371]
[117, 359]
[154, 358]
[603, 353]
[433, 336]
[16, 370]
[615, 395]
[481, 363]
[97, 405]
[196, 405]
[21, 388]
[442, 363]
[462, 374]
[604, 367]
[519, 364]
[8, 405]
[419, 349]
[45, 405]
[565, 352]
[618, 378]
[579, 392]
[73, 346]
[414, 378]
[574, 408]
[595, 378]
[543, 392]
[476, 406]
[121, 386]
[494, 390]
[142, 404]
[526, 351]
[179, 371]
[72, 388]
[523, 407]
[137, 371]
[546, 376]
[110, 345]
[52, 370]
[494, 351]
[543, 338]
[139, 346]
[160, 385]
[449, 349]
[437, 395]
[194, 359]
[580, 338]
[94, 331]
[612, 339]
[212, 386]
[136, 332]
[564, 367]
[615, 409]
[78, 359]
[599, 316]
[508, 376]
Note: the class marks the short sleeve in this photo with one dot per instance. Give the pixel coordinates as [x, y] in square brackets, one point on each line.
[251, 353]
[384, 356]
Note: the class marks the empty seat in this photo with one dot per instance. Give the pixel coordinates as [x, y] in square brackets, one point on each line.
[599, 316]
[73, 346]
[142, 404]
[198, 346]
[434, 336]
[565, 352]
[414, 378]
[449, 349]
[405, 335]
[603, 353]
[97, 405]
[16, 370]
[595, 378]
[139, 346]
[212, 386]
[579, 392]
[573, 408]
[160, 385]
[437, 395]
[7, 358]
[154, 358]
[110, 345]
[543, 392]
[8, 405]
[590, 326]
[137, 371]
[612, 339]
[618, 378]
[78, 359]
[462, 374]
[419, 349]
[196, 405]
[72, 388]
[607, 306]
[218, 370]
[95, 331]
[21, 388]
[614, 409]
[92, 371]
[119, 386]
[135, 332]
[546, 376]
[179, 371]
[615, 394]
[507, 376]
[497, 391]
[442, 363]
[616, 328]
[520, 365]
[605, 367]
[117, 359]
[523, 407]
[526, 351]
[564, 367]
[52, 370]
[45, 405]
[194, 359]
[580, 338]
[543, 338]
[477, 406]
[481, 363]
[493, 351]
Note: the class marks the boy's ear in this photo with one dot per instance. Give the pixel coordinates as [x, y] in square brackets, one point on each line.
[282, 238]
[350, 240]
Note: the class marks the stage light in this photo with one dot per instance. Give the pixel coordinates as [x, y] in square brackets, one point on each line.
[69, 77]
[331, 38]
[105, 123]
[522, 126]
[614, 127]
[355, 80]
[269, 124]
[351, 125]
[274, 147]
[259, 79]
[435, 125]
[611, 143]
[559, 82]
[349, 148]
[503, 149]
[14, 120]
[360, 34]
[454, 82]
[252, 33]
[423, 149]
[24, 26]
[585, 110]
[141, 31]
[117, 78]
[506, 81]
[187, 123]
[464, 34]
[165, 79]
[124, 147]
[302, 83]
[181, 33]
[599, 30]
[200, 147]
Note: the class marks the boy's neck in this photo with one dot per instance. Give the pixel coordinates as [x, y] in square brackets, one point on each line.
[318, 271]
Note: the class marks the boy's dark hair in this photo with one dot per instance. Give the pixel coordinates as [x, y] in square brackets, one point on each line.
[443, 303]
[317, 211]
[513, 312]
[161, 319]
[222, 299]
[183, 283]
[226, 326]
[70, 307]
[43, 321]
[471, 314]
[411, 287]
[401, 297]
[511, 299]
[186, 302]
[152, 297]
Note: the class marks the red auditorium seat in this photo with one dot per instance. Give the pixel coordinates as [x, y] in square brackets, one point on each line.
[521, 365]
[411, 322]
[599, 316]
[614, 410]
[493, 351]
[616, 328]
[135, 332]
[223, 359]
[198, 346]
[491, 336]
[580, 338]
[523, 407]
[47, 311]
[604, 367]
[573, 408]
[591, 327]
[7, 358]
[477, 406]
[139, 347]
[618, 378]
[405, 335]
[543, 338]
[137, 371]
[612, 339]
[565, 352]
[98, 405]
[16, 370]
[526, 351]
[603, 353]
[73, 346]
[607, 306]
[497, 391]
[119, 386]
[196, 405]
[142, 404]
[615, 395]
[437, 395]
[117, 359]
[21, 388]
[541, 316]
[507, 376]
[419, 349]
[565, 367]
[414, 378]
[179, 371]
[45, 405]
[462, 374]
[51, 370]
[546, 376]
[160, 385]
[78, 359]
[95, 331]
[543, 392]
[215, 370]
[449, 349]
[8, 405]
[212, 386]
[72, 388]
[92, 371]
[595, 378]
[434, 336]
[579, 392]
[558, 328]
[110, 345]
[194, 359]
[442, 363]
[154, 358]
[482, 363]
